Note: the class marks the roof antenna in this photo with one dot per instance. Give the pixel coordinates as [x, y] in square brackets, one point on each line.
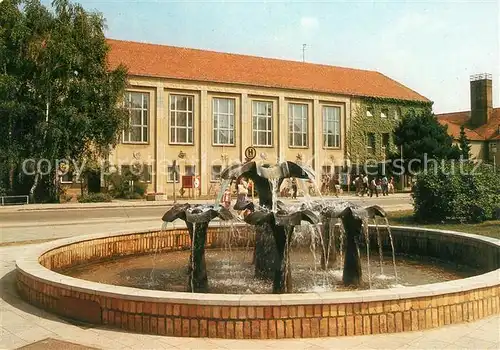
[304, 52]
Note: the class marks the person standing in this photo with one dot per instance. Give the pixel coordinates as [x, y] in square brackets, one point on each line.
[366, 185]
[373, 187]
[242, 195]
[294, 188]
[226, 198]
[385, 186]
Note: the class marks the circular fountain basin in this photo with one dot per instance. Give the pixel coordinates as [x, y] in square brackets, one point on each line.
[263, 316]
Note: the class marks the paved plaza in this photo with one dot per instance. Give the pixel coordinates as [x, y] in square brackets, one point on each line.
[23, 325]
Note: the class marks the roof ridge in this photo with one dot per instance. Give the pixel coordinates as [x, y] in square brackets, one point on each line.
[255, 56]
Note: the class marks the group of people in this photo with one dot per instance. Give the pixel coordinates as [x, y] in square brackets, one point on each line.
[330, 184]
[372, 186]
[363, 184]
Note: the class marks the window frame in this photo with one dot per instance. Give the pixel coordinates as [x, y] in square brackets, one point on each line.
[232, 120]
[384, 113]
[142, 126]
[493, 147]
[169, 175]
[212, 178]
[339, 128]
[370, 111]
[269, 121]
[189, 114]
[304, 121]
[370, 147]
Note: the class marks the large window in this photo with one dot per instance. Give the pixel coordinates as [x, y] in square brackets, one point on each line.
[262, 123]
[171, 174]
[297, 122]
[223, 112]
[215, 175]
[331, 127]
[493, 147]
[190, 170]
[181, 119]
[370, 143]
[137, 104]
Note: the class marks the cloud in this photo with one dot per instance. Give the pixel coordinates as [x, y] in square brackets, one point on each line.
[309, 22]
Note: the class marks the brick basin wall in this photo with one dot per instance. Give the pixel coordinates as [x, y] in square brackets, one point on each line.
[260, 316]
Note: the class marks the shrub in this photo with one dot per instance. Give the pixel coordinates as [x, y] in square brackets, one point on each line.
[94, 198]
[461, 192]
[126, 185]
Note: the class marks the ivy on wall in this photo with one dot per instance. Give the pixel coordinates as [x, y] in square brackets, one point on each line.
[363, 124]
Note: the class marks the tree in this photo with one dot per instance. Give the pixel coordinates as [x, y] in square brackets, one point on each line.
[58, 98]
[422, 138]
[464, 144]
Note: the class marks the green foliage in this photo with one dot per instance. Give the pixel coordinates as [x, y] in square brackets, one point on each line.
[126, 185]
[58, 97]
[464, 144]
[423, 137]
[457, 191]
[361, 125]
[94, 198]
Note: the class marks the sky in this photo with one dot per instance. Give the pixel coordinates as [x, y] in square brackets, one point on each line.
[431, 47]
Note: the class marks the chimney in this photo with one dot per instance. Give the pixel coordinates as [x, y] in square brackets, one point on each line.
[481, 99]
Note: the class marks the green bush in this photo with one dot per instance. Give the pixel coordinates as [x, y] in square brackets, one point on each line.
[458, 192]
[94, 198]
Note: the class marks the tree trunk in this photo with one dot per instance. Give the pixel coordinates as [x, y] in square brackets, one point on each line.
[34, 186]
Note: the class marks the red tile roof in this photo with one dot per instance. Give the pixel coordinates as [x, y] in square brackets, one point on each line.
[488, 131]
[200, 65]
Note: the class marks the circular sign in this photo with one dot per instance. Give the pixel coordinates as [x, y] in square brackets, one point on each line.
[196, 182]
[250, 153]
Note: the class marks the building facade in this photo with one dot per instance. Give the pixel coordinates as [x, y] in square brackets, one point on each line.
[202, 109]
[481, 123]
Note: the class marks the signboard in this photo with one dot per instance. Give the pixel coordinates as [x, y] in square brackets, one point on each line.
[187, 181]
[250, 153]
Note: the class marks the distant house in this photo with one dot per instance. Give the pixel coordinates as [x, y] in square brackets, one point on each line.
[482, 122]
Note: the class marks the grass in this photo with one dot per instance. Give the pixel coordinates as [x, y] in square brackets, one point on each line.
[487, 228]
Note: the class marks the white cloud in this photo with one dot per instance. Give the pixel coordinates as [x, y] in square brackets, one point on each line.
[309, 22]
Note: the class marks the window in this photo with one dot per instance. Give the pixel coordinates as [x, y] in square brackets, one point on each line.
[190, 170]
[137, 104]
[493, 147]
[331, 127]
[385, 141]
[326, 169]
[146, 174]
[223, 113]
[262, 113]
[297, 122]
[384, 113]
[369, 111]
[216, 170]
[397, 113]
[370, 142]
[170, 174]
[181, 119]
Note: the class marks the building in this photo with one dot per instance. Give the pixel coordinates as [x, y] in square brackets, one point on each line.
[204, 108]
[481, 123]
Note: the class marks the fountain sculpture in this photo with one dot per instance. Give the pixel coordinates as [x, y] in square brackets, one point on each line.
[197, 218]
[275, 224]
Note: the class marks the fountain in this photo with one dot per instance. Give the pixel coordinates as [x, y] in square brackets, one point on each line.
[106, 278]
[267, 180]
[197, 218]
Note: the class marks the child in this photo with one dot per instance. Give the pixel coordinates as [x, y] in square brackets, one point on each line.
[226, 198]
